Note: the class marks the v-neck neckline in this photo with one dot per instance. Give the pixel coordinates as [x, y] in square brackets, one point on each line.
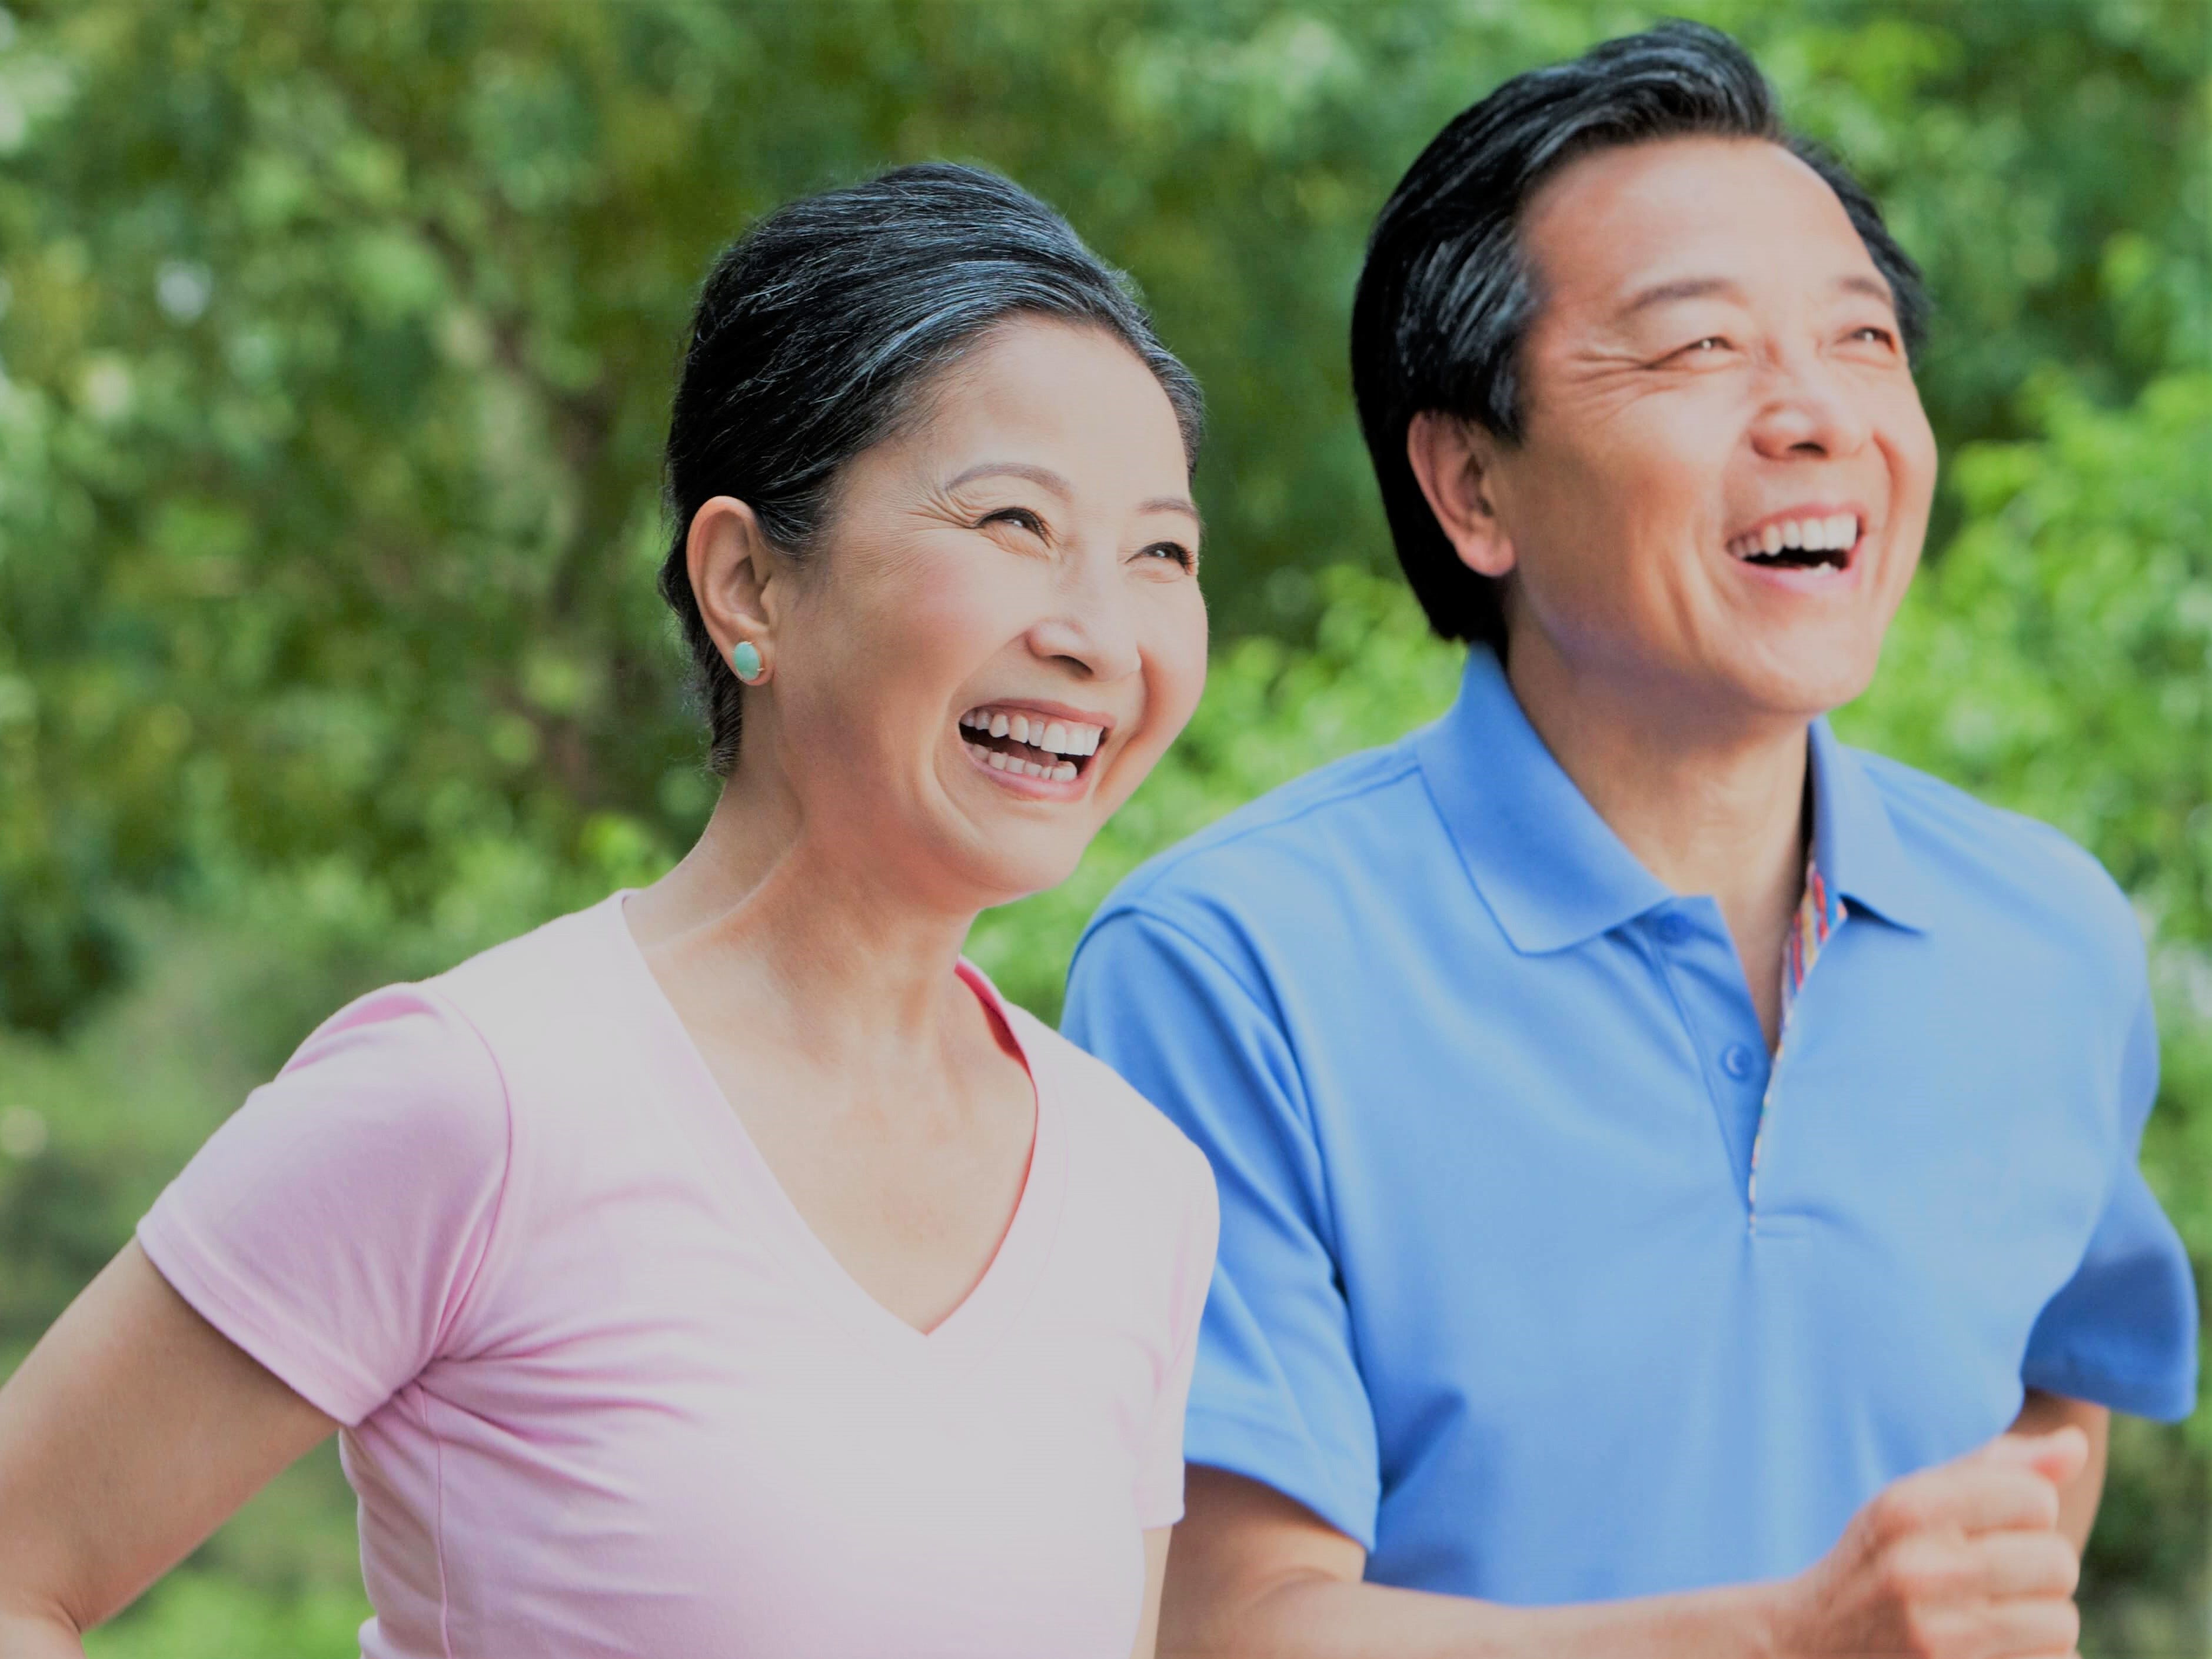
[757, 1199]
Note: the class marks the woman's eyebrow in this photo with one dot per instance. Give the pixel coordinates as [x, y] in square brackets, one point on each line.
[1043, 477]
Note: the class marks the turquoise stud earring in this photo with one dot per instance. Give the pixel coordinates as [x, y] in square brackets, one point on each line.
[745, 658]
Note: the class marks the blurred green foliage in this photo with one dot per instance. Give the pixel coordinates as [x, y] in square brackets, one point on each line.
[335, 343]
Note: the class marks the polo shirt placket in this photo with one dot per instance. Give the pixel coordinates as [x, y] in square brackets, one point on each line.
[1820, 915]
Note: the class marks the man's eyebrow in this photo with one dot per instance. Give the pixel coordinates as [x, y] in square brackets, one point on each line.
[1044, 477]
[1859, 282]
[1173, 504]
[1680, 288]
[1701, 288]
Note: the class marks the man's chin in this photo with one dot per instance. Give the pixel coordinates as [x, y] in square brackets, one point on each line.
[1807, 684]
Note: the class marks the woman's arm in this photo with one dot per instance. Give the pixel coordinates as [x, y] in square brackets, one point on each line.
[132, 1430]
[1156, 1573]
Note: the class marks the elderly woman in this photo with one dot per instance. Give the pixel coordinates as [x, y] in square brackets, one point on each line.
[726, 1269]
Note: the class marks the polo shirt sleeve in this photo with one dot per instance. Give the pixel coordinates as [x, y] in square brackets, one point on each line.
[2123, 1331]
[1276, 1395]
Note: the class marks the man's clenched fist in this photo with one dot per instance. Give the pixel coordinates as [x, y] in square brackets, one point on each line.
[1961, 1561]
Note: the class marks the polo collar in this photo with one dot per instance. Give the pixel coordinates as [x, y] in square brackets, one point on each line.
[1554, 873]
[1855, 840]
[1551, 869]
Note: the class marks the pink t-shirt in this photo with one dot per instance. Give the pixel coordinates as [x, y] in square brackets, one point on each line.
[605, 1393]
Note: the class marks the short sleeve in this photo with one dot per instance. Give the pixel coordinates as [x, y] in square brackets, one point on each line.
[332, 1226]
[2122, 1332]
[1276, 1394]
[1160, 1459]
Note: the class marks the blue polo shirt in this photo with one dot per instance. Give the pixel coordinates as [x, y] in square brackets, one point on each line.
[1481, 1095]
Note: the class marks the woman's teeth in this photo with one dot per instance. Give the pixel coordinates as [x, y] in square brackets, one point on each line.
[1801, 542]
[998, 763]
[1049, 738]
[1061, 737]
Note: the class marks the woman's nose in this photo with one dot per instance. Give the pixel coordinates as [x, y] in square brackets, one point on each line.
[1090, 628]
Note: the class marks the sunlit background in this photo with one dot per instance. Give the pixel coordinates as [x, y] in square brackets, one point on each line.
[335, 348]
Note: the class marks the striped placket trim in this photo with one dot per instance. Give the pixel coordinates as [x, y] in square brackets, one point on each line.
[1819, 914]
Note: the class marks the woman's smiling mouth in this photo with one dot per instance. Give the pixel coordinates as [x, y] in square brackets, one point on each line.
[1022, 740]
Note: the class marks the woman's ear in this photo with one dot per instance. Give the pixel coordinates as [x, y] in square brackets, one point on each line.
[731, 569]
[1455, 461]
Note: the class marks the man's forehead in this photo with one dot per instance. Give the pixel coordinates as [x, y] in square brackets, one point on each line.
[1631, 228]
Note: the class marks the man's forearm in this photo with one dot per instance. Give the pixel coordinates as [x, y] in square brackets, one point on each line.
[1320, 1618]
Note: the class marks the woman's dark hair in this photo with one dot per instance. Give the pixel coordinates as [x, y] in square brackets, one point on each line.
[1447, 295]
[823, 327]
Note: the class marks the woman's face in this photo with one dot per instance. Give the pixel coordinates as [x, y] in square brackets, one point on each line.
[1002, 629]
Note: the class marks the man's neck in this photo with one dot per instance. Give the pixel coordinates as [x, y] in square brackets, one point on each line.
[1709, 802]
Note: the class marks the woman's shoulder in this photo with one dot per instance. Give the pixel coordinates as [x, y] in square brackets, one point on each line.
[561, 966]
[1119, 1124]
[438, 1056]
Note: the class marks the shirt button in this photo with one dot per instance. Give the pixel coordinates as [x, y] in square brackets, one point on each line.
[1672, 930]
[1735, 1060]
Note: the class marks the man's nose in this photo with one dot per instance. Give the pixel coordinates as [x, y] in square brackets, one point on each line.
[1810, 408]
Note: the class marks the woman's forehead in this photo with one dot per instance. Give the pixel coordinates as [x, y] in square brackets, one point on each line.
[1050, 397]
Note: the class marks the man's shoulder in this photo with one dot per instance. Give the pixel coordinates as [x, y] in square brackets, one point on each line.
[1979, 853]
[1278, 851]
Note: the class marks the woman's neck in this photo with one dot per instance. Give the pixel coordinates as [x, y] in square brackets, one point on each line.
[791, 936]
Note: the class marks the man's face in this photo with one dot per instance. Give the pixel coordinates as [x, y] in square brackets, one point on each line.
[1715, 367]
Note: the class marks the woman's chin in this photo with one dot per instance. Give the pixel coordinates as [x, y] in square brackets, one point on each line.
[1006, 874]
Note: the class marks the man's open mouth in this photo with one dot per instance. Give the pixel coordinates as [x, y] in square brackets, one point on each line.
[1036, 745]
[1808, 544]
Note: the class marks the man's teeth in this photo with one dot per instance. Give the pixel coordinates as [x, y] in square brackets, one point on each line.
[1835, 534]
[1060, 736]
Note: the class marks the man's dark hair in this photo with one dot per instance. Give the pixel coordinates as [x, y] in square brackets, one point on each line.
[1447, 295]
[826, 326]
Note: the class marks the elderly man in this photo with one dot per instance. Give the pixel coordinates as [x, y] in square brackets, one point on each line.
[1678, 1173]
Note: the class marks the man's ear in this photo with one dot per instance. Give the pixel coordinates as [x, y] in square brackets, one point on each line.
[1454, 460]
[732, 567]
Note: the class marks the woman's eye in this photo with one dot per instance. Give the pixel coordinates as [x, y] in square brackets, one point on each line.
[1871, 332]
[1173, 550]
[1706, 347]
[1020, 517]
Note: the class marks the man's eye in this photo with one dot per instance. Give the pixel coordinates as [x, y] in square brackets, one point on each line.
[1871, 332]
[1711, 347]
